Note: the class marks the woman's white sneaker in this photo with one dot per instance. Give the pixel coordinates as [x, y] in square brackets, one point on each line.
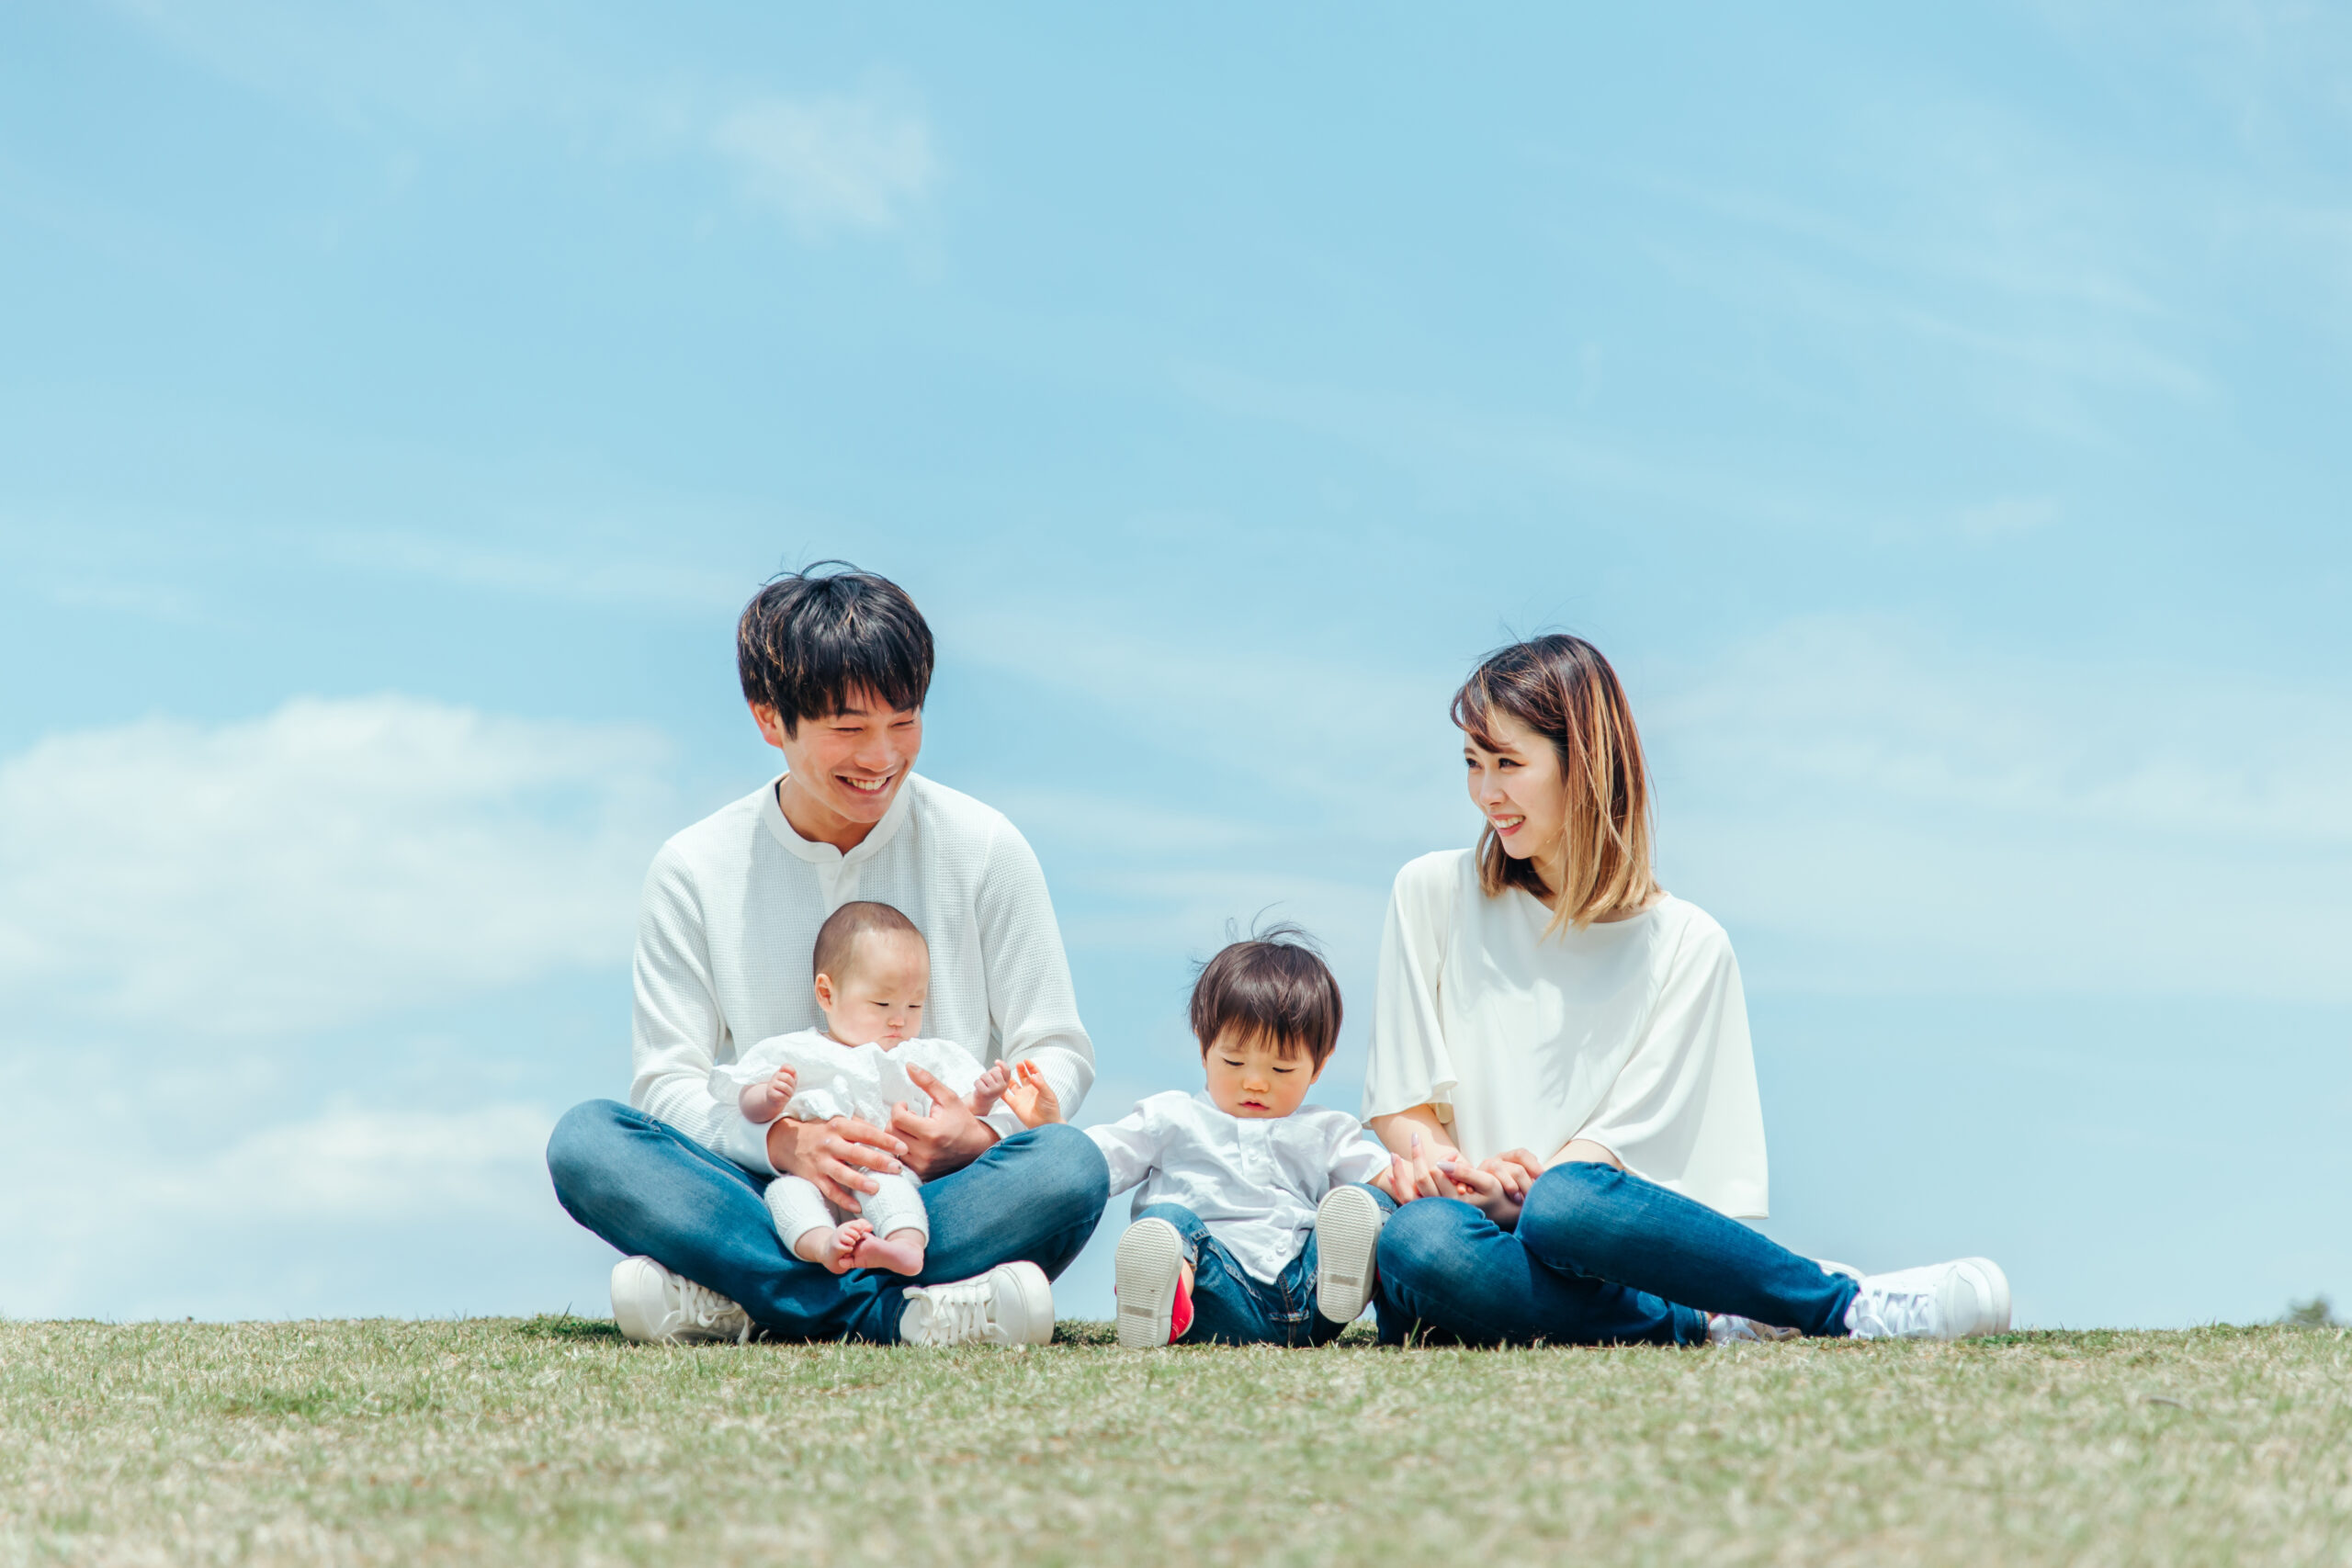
[1013, 1304]
[654, 1306]
[1942, 1301]
[1347, 1245]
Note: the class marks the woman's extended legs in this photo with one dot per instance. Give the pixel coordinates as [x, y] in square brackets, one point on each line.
[1598, 1256]
[1594, 1222]
[1448, 1271]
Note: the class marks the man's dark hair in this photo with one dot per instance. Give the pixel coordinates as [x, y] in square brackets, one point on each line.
[1274, 986]
[811, 640]
[837, 938]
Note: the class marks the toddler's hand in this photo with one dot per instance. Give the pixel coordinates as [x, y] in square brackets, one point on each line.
[1031, 1097]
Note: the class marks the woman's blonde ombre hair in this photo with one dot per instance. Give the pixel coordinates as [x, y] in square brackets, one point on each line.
[1560, 687]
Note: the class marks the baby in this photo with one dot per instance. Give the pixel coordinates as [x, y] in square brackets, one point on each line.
[873, 972]
[1253, 1223]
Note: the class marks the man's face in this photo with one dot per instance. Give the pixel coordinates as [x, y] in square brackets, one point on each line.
[850, 764]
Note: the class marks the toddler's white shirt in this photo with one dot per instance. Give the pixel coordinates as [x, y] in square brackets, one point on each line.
[1254, 1179]
[863, 1082]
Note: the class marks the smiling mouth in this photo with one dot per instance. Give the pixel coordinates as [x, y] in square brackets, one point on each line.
[1506, 824]
[865, 787]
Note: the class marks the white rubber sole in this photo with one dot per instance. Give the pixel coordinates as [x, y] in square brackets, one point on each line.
[1150, 1261]
[1346, 1247]
[1036, 1294]
[1993, 1288]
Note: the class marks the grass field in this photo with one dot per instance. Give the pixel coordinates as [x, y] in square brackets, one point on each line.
[550, 1441]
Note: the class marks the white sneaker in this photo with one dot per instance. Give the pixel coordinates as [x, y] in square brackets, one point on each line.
[1347, 1245]
[1942, 1301]
[1151, 1270]
[1013, 1304]
[654, 1306]
[1727, 1329]
[1847, 1270]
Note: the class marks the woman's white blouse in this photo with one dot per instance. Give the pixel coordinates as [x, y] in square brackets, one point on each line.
[1253, 1180]
[1632, 1033]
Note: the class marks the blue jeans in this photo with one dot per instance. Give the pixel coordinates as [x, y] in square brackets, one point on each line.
[1230, 1307]
[647, 1188]
[1599, 1257]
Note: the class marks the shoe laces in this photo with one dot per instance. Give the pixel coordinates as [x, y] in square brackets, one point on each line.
[708, 1309]
[1894, 1315]
[959, 1313]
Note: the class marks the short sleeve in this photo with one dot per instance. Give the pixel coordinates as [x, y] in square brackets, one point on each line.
[1684, 1111]
[1408, 1064]
[1356, 1157]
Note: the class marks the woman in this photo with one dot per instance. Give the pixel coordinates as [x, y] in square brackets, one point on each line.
[1560, 1066]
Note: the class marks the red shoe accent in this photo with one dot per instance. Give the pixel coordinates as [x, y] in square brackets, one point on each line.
[1179, 1315]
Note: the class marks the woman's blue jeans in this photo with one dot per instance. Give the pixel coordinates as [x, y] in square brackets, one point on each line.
[1231, 1306]
[1598, 1256]
[647, 1188]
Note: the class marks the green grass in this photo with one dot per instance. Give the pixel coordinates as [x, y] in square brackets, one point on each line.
[552, 1441]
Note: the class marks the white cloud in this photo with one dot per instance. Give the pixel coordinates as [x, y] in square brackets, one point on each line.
[330, 861]
[831, 162]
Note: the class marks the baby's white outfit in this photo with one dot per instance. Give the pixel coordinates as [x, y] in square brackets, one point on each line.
[864, 1081]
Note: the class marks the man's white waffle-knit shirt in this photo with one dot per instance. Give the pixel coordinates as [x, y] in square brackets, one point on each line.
[728, 928]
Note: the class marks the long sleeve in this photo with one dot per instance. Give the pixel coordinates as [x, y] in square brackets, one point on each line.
[1408, 1064]
[1684, 1111]
[1033, 1008]
[1131, 1146]
[677, 1023]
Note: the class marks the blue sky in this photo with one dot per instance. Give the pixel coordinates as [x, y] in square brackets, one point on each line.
[1938, 418]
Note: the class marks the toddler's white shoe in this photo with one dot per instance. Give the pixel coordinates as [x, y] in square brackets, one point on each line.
[1347, 1244]
[1013, 1304]
[1151, 1285]
[654, 1306]
[1942, 1301]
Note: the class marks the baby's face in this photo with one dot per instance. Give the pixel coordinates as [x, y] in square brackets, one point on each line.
[879, 995]
[1248, 1078]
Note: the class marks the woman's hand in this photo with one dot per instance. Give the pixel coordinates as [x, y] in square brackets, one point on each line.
[1517, 1169]
[1487, 1191]
[1417, 1174]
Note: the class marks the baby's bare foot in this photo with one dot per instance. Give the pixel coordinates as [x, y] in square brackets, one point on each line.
[841, 1245]
[901, 1252]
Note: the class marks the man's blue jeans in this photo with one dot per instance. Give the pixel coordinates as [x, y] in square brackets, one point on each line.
[1230, 1307]
[1599, 1257]
[647, 1188]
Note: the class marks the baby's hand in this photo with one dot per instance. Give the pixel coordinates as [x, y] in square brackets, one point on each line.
[987, 1087]
[1032, 1097]
[763, 1102]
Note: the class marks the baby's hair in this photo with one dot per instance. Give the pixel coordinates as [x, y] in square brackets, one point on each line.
[1273, 986]
[837, 938]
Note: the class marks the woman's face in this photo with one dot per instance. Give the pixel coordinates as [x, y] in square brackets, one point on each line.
[1517, 789]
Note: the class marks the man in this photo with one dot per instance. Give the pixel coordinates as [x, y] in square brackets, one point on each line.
[835, 664]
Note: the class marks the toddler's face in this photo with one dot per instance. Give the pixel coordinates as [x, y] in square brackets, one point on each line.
[879, 995]
[1248, 1078]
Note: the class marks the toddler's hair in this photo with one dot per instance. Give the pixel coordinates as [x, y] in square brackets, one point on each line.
[1274, 986]
[837, 938]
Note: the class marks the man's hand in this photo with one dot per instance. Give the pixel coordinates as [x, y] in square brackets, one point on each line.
[946, 1139]
[835, 1155]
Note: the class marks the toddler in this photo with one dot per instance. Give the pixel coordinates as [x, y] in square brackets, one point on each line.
[1252, 1224]
[873, 972]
